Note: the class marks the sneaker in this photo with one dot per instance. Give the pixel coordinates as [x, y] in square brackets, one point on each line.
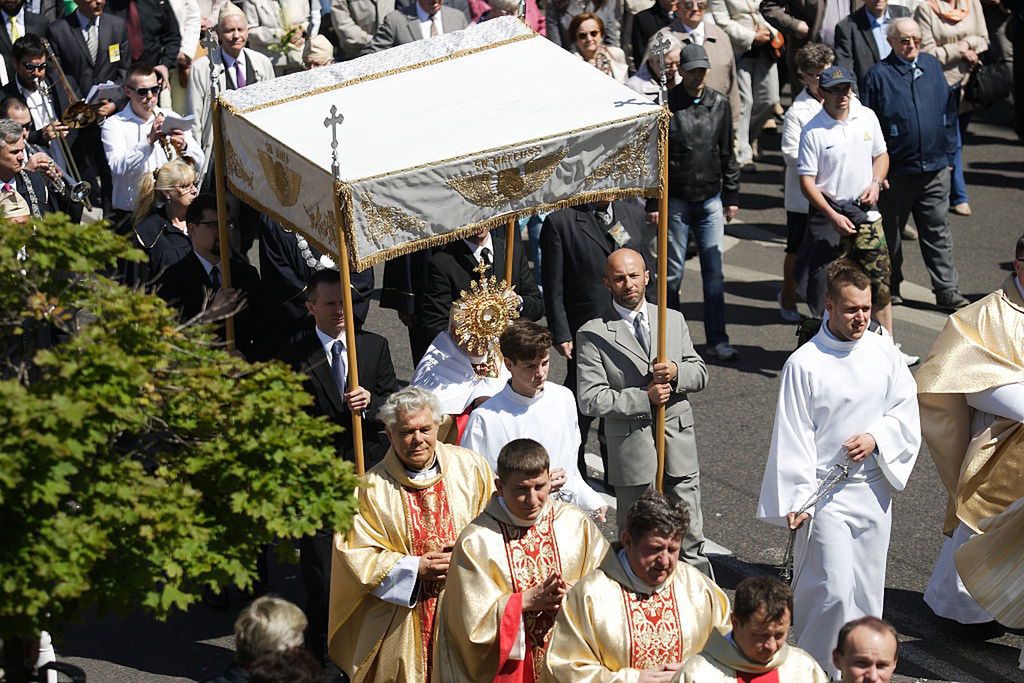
[722, 351]
[951, 300]
[909, 233]
[961, 209]
[789, 315]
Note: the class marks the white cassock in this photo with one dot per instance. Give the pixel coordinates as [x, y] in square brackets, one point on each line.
[832, 390]
[548, 418]
[945, 593]
[446, 370]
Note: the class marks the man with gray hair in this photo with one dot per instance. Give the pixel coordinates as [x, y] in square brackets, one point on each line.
[389, 571]
[917, 112]
[267, 625]
[13, 175]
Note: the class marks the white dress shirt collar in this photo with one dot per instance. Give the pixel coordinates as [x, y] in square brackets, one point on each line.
[477, 249]
[695, 34]
[628, 315]
[229, 61]
[207, 266]
[426, 20]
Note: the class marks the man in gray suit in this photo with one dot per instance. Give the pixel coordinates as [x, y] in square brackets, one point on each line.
[423, 19]
[618, 380]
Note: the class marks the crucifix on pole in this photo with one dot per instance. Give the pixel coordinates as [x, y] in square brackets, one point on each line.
[332, 122]
[661, 47]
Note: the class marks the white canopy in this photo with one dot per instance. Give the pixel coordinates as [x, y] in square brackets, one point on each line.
[441, 137]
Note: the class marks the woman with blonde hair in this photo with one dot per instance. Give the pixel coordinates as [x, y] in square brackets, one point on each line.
[164, 196]
[587, 30]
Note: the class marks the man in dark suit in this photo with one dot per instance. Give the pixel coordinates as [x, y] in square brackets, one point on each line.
[24, 23]
[32, 64]
[404, 276]
[29, 184]
[93, 48]
[322, 357]
[451, 270]
[154, 36]
[802, 22]
[423, 19]
[861, 38]
[574, 244]
[193, 284]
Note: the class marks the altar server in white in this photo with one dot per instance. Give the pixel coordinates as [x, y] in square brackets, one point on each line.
[531, 407]
[846, 398]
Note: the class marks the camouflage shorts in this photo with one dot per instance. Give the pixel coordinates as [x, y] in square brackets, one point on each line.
[868, 250]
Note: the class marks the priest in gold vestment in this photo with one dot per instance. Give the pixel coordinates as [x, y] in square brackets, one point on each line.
[643, 612]
[971, 394]
[389, 571]
[510, 570]
[755, 651]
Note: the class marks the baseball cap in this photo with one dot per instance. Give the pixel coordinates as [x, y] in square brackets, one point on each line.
[835, 75]
[693, 56]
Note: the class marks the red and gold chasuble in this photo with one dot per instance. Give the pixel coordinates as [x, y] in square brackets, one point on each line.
[768, 677]
[532, 555]
[432, 529]
[655, 632]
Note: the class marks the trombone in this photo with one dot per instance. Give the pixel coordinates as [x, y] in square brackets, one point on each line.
[78, 114]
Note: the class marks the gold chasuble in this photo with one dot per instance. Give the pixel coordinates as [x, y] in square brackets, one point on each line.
[369, 638]
[723, 662]
[494, 562]
[981, 347]
[609, 629]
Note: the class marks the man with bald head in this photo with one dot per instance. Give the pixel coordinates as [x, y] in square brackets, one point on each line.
[619, 380]
[867, 651]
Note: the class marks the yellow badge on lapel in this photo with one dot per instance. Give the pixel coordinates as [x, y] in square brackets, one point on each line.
[114, 53]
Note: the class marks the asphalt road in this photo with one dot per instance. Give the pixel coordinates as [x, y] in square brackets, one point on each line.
[733, 421]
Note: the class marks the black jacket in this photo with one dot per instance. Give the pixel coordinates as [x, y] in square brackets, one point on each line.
[163, 243]
[574, 247]
[450, 271]
[58, 99]
[701, 158]
[645, 25]
[49, 201]
[65, 36]
[187, 287]
[161, 36]
[376, 375]
[34, 23]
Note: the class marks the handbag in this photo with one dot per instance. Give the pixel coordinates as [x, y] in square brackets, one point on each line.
[988, 84]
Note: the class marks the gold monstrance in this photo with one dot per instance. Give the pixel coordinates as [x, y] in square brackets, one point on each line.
[481, 315]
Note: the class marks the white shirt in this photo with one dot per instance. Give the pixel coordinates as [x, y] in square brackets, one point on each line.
[478, 249]
[130, 153]
[19, 20]
[448, 372]
[838, 154]
[696, 34]
[327, 342]
[879, 30]
[804, 108]
[41, 110]
[629, 316]
[426, 20]
[549, 418]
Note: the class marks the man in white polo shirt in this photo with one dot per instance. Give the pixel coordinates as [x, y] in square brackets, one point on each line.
[842, 164]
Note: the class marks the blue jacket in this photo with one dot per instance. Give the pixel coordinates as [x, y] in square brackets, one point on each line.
[917, 116]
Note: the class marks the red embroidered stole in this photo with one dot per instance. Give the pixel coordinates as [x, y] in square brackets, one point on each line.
[655, 633]
[432, 528]
[532, 555]
[767, 677]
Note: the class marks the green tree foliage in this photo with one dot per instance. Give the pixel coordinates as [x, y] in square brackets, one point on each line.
[139, 462]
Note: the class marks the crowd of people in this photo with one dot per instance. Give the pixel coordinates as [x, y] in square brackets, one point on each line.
[476, 553]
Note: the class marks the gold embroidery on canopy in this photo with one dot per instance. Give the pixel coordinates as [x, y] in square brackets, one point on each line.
[234, 164]
[284, 181]
[627, 162]
[384, 222]
[503, 180]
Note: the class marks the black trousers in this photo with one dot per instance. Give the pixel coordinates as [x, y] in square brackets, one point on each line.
[315, 565]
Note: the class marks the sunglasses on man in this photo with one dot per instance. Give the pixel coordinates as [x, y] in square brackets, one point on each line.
[143, 92]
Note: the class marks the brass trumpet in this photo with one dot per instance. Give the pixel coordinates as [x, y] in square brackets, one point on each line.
[64, 183]
[170, 151]
[78, 114]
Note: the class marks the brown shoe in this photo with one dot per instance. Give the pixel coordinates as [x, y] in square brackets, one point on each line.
[961, 209]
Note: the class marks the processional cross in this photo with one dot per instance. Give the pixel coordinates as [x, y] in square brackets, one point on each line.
[332, 122]
[660, 47]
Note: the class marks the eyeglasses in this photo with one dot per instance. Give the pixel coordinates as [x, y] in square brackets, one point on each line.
[583, 35]
[693, 4]
[34, 66]
[914, 40]
[191, 188]
[143, 92]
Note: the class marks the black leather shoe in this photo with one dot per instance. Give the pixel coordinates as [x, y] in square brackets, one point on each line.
[951, 300]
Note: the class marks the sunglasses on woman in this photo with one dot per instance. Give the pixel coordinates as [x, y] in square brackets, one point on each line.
[583, 35]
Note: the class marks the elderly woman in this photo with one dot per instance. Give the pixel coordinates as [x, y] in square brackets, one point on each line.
[956, 34]
[164, 197]
[267, 625]
[588, 31]
[647, 79]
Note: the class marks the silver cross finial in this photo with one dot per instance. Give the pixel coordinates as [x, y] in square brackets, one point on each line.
[332, 122]
[661, 47]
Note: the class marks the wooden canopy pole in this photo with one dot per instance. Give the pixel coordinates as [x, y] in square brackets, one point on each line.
[332, 122]
[510, 246]
[220, 186]
[662, 47]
